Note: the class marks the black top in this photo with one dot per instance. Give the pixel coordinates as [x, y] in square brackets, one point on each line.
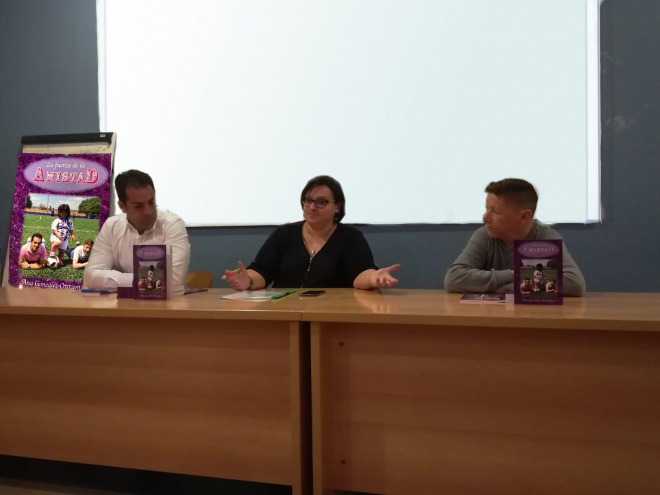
[283, 258]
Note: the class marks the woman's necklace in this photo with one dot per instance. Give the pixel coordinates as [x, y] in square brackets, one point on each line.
[310, 249]
[313, 250]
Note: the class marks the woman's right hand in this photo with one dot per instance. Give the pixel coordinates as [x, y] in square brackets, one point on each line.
[239, 280]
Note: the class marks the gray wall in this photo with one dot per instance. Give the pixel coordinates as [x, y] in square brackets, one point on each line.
[48, 80]
[48, 68]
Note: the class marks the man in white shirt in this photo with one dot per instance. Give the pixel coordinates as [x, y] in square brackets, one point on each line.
[140, 223]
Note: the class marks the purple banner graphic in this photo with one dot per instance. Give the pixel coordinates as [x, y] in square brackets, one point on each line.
[66, 174]
[60, 204]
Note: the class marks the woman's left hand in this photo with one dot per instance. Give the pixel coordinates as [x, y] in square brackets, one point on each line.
[383, 277]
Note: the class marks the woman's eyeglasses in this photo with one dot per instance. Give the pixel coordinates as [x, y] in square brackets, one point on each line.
[320, 203]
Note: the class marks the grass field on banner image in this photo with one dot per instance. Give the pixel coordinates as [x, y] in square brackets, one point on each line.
[36, 221]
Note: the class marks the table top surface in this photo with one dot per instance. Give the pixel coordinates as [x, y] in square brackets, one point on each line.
[201, 305]
[597, 311]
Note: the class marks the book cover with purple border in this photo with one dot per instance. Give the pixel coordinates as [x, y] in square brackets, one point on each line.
[51, 180]
[150, 271]
[538, 272]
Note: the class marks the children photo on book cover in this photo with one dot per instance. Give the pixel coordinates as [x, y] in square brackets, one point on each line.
[60, 204]
[538, 276]
[150, 269]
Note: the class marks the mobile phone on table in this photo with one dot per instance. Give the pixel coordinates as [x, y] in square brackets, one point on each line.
[312, 293]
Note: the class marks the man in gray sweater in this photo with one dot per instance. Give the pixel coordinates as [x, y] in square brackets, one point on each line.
[486, 263]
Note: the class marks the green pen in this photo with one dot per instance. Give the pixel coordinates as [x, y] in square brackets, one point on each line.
[279, 296]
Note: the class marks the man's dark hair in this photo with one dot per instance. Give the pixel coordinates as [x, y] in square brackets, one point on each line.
[131, 178]
[89, 243]
[335, 188]
[64, 208]
[36, 235]
[517, 191]
[527, 280]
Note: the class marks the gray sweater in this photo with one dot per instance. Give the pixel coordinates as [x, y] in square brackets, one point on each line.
[485, 264]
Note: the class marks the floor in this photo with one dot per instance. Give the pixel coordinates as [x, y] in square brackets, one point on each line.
[10, 486]
[23, 476]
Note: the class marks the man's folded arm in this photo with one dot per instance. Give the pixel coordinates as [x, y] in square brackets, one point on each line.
[574, 283]
[177, 237]
[466, 274]
[100, 272]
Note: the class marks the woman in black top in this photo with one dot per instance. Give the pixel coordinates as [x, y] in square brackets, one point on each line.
[317, 252]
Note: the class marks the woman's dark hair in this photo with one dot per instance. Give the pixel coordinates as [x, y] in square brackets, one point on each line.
[335, 188]
[64, 208]
[131, 178]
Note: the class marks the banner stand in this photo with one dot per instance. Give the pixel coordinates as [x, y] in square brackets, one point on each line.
[63, 145]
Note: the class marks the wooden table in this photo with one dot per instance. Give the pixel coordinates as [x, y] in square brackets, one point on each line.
[414, 393]
[196, 385]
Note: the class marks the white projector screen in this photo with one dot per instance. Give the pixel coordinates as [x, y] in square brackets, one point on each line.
[413, 105]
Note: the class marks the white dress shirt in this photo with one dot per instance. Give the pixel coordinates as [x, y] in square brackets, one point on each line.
[111, 260]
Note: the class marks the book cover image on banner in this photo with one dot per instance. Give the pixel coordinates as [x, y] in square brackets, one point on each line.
[60, 203]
